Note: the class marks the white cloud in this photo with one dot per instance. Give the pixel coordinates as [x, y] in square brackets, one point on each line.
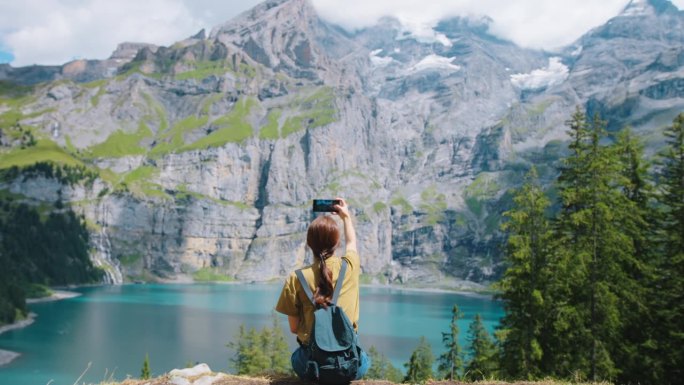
[555, 73]
[56, 31]
[423, 32]
[547, 24]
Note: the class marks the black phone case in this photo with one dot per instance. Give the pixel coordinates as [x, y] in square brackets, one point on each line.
[324, 205]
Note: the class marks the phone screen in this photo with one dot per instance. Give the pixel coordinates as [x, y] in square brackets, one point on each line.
[324, 205]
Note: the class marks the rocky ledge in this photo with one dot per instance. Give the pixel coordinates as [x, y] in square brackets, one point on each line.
[6, 357]
[202, 375]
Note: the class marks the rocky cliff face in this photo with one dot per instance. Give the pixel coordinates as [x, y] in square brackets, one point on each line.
[208, 153]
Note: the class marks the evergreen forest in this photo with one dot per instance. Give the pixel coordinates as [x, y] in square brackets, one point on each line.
[40, 245]
[593, 285]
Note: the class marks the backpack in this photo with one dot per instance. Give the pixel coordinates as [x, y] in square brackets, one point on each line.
[333, 351]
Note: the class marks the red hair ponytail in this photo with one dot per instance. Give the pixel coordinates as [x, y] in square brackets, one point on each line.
[323, 238]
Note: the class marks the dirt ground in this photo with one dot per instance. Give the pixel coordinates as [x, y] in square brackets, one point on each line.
[238, 380]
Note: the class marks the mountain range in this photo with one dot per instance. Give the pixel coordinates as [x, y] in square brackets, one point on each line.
[202, 157]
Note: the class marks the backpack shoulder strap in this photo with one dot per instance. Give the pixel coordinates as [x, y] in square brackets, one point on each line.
[305, 286]
[338, 284]
[340, 281]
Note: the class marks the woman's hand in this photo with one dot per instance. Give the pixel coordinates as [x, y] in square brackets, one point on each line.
[342, 209]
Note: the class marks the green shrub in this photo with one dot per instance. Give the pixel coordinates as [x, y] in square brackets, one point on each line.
[270, 130]
[210, 274]
[120, 143]
[230, 128]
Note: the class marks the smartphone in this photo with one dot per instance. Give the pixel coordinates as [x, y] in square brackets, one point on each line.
[325, 205]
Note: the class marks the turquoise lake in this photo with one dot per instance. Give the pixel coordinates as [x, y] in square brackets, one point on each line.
[113, 327]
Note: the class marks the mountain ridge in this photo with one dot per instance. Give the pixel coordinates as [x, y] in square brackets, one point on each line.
[208, 151]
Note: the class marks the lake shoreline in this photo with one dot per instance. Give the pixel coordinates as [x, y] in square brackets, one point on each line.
[436, 290]
[448, 287]
[7, 356]
[55, 296]
[465, 290]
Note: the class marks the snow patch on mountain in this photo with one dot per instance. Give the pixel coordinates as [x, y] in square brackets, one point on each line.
[379, 61]
[555, 73]
[577, 51]
[435, 62]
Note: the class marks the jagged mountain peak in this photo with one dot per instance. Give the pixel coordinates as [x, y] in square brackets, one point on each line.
[285, 12]
[128, 50]
[283, 35]
[648, 7]
[643, 20]
[201, 35]
[638, 52]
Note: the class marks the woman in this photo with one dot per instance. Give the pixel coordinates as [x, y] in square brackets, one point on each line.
[323, 237]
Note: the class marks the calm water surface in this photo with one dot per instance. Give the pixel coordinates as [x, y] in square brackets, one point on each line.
[113, 327]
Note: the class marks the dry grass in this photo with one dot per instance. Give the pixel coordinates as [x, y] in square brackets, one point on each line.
[543, 382]
[242, 380]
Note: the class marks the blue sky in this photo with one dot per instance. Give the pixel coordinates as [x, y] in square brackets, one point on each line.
[5, 57]
[53, 32]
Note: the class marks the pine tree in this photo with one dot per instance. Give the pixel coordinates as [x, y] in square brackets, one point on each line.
[671, 268]
[419, 367]
[635, 354]
[145, 372]
[594, 250]
[278, 351]
[377, 369]
[450, 362]
[483, 363]
[260, 353]
[250, 357]
[237, 362]
[524, 286]
[568, 335]
[256, 358]
[264, 344]
[381, 368]
[672, 182]
[634, 168]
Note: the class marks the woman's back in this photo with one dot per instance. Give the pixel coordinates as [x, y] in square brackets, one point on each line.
[293, 300]
[323, 238]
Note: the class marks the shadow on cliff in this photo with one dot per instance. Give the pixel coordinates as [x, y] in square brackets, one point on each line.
[145, 237]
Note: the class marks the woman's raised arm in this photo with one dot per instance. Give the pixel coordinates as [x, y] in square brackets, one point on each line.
[349, 233]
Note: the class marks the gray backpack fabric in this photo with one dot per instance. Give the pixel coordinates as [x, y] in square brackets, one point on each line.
[332, 350]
